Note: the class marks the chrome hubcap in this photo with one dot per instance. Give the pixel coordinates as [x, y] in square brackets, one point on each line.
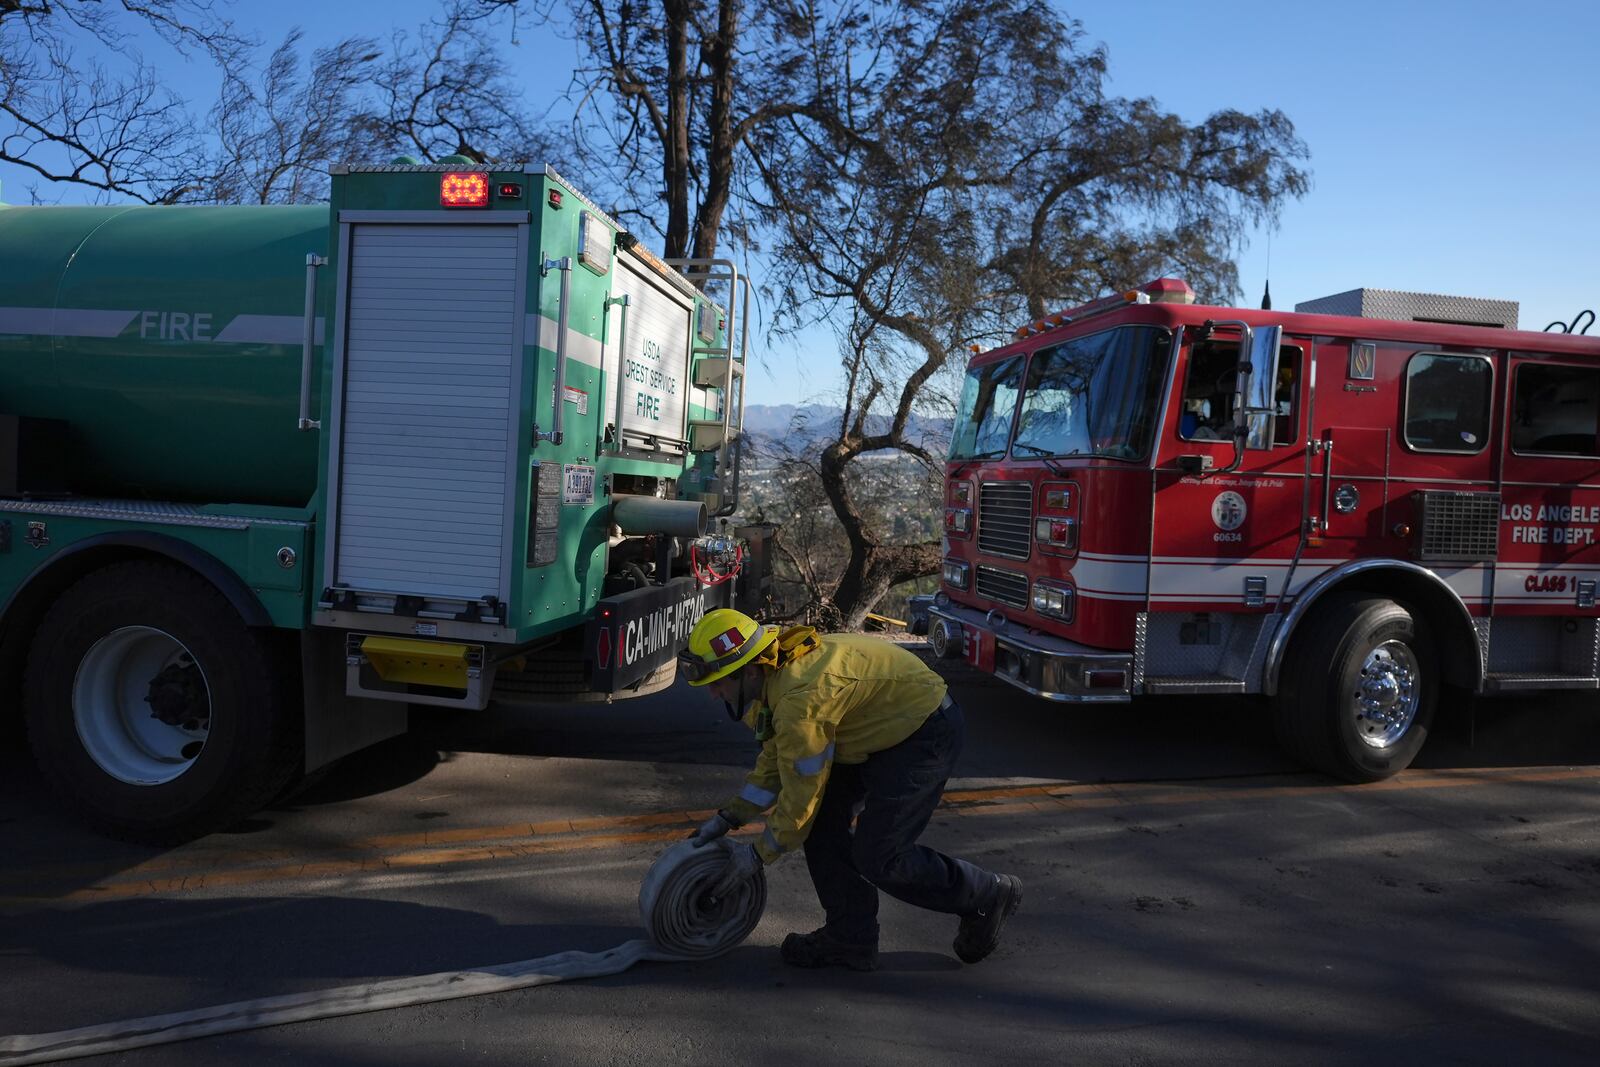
[1386, 695]
[141, 705]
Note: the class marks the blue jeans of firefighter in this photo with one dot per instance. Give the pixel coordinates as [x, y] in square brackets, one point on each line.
[896, 791]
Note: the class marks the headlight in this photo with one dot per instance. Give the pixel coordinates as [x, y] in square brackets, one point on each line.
[1053, 599]
[956, 573]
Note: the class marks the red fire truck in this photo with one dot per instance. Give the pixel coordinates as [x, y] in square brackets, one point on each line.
[1350, 510]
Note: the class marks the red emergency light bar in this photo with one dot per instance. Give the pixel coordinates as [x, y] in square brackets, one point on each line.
[463, 188]
[1160, 291]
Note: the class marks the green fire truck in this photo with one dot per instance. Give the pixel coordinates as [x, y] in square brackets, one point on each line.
[271, 475]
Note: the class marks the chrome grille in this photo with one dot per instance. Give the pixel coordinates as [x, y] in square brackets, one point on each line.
[1005, 519]
[1008, 587]
[1456, 526]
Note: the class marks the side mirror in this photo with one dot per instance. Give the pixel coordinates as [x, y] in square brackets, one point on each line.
[1258, 386]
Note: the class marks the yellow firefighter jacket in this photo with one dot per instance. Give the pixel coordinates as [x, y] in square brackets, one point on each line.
[842, 698]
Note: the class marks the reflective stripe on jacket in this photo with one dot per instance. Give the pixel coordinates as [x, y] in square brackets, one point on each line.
[853, 696]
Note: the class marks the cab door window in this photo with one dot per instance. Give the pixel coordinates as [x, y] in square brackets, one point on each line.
[1209, 392]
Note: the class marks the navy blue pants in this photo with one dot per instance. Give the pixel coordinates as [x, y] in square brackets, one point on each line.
[896, 791]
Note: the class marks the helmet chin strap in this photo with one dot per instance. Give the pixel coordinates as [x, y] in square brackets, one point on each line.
[735, 708]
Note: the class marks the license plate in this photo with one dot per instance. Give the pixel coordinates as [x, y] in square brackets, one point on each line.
[579, 487]
[638, 631]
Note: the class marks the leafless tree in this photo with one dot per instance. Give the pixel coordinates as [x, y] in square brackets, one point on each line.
[448, 90]
[277, 132]
[666, 99]
[79, 105]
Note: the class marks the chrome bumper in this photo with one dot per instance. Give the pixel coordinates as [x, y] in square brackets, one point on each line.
[1048, 667]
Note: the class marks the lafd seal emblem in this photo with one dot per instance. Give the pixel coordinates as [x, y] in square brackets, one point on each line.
[1228, 510]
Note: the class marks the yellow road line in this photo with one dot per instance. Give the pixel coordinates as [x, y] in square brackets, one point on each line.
[197, 863]
[177, 873]
[1119, 793]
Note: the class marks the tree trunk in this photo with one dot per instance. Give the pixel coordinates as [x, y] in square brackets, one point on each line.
[872, 568]
[720, 54]
[885, 567]
[675, 154]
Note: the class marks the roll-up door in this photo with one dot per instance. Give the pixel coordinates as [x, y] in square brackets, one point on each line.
[651, 362]
[429, 400]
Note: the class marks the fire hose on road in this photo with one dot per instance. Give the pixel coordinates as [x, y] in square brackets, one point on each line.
[682, 924]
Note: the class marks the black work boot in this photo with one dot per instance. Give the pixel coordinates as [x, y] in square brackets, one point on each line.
[821, 949]
[980, 931]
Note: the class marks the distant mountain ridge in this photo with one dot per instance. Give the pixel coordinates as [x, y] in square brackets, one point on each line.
[802, 425]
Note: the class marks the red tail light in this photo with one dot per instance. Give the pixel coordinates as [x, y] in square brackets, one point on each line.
[463, 188]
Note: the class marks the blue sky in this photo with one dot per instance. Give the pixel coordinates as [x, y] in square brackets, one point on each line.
[1454, 145]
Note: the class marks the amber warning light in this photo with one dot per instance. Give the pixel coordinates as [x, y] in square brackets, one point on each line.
[464, 189]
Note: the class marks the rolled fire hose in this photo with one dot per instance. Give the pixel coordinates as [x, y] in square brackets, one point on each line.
[682, 924]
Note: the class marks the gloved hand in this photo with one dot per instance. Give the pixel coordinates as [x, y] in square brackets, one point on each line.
[716, 826]
[743, 863]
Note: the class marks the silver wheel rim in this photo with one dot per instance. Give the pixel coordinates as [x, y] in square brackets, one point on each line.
[1387, 693]
[112, 711]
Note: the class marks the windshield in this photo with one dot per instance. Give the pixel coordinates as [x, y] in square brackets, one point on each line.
[988, 399]
[1095, 396]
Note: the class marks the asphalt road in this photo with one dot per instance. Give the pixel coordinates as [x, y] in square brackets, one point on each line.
[1190, 897]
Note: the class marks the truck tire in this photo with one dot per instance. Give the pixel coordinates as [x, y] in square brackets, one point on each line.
[1358, 689]
[152, 708]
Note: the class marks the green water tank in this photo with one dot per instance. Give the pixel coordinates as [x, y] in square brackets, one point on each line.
[168, 339]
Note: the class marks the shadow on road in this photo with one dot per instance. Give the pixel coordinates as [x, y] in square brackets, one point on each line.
[217, 951]
[1013, 735]
[1010, 736]
[1555, 729]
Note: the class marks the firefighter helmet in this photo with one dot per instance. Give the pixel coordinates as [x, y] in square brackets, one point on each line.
[722, 642]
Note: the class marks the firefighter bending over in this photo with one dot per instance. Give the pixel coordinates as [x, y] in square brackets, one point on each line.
[844, 721]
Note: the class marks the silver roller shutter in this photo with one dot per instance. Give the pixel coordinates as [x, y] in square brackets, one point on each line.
[429, 400]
